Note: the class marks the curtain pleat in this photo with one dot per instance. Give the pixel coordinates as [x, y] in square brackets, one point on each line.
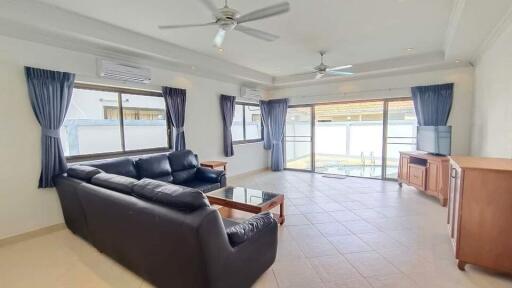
[175, 102]
[267, 143]
[50, 95]
[277, 110]
[227, 106]
[433, 104]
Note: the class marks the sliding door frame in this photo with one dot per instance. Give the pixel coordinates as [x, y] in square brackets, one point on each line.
[312, 127]
[385, 122]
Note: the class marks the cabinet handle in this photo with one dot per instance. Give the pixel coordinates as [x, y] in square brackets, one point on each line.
[454, 173]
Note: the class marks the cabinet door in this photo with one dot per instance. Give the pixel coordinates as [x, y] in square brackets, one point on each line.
[404, 168]
[433, 178]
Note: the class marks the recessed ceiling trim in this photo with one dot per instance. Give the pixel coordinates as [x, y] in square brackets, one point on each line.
[453, 22]
[62, 24]
[502, 26]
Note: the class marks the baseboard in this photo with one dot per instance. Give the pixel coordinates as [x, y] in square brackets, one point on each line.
[31, 234]
[247, 174]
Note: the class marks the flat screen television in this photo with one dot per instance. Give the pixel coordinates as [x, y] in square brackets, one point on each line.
[434, 139]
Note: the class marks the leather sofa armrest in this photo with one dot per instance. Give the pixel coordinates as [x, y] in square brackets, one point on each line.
[241, 232]
[244, 263]
[210, 175]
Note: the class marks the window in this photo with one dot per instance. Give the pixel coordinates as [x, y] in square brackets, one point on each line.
[247, 126]
[114, 120]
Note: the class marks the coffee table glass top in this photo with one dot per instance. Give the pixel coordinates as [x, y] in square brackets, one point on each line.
[244, 195]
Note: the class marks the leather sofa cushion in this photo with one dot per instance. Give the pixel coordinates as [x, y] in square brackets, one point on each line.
[114, 182]
[170, 195]
[82, 172]
[239, 233]
[202, 186]
[120, 166]
[180, 177]
[182, 160]
[167, 179]
[155, 166]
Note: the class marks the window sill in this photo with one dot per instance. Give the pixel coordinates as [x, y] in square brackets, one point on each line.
[247, 142]
[110, 155]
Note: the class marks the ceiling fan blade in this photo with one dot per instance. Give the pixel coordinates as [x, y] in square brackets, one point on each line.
[219, 38]
[319, 75]
[339, 68]
[339, 73]
[265, 12]
[185, 25]
[256, 33]
[209, 4]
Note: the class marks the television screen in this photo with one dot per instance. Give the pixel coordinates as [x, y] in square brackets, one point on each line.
[434, 139]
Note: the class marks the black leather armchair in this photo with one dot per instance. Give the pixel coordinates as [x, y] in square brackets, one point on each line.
[186, 172]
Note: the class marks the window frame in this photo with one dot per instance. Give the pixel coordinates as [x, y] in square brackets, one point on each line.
[120, 91]
[245, 141]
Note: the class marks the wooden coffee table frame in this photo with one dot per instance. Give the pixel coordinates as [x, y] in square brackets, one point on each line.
[266, 206]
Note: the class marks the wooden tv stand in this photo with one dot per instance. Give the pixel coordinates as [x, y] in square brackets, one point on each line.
[425, 172]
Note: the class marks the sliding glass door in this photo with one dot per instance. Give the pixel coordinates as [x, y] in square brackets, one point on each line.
[360, 138]
[400, 133]
[298, 138]
[348, 138]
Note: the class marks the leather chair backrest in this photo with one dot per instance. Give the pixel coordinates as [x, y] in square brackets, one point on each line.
[154, 167]
[183, 165]
[82, 172]
[121, 166]
[170, 195]
[114, 182]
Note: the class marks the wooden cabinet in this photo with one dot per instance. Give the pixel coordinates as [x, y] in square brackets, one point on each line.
[417, 175]
[480, 212]
[425, 172]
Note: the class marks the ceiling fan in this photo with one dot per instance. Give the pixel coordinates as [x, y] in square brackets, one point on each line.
[321, 70]
[229, 19]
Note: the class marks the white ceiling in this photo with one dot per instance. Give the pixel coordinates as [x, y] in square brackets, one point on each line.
[352, 31]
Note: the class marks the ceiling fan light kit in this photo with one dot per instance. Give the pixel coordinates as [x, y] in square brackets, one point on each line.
[227, 19]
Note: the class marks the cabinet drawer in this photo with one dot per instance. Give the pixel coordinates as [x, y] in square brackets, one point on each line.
[417, 176]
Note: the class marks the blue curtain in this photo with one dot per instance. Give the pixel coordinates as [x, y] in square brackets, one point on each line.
[175, 102]
[50, 95]
[267, 143]
[433, 104]
[227, 106]
[276, 122]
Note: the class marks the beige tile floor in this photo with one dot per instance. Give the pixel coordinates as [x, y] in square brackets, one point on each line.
[338, 233]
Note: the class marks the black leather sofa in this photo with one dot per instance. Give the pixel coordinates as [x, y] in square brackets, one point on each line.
[153, 219]
[181, 168]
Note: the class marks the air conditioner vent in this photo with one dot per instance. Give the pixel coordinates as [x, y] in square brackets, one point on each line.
[123, 72]
[250, 94]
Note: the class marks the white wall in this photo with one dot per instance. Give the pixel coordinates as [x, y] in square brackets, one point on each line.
[23, 207]
[492, 123]
[393, 87]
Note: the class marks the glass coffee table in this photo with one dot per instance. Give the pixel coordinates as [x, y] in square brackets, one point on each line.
[248, 200]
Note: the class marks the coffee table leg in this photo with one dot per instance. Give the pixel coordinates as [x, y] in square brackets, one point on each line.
[281, 213]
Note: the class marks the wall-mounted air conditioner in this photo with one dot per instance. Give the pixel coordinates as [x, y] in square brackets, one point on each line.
[123, 72]
[250, 94]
